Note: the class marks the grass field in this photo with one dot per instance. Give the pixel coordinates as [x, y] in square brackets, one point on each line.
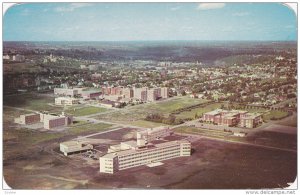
[32, 102]
[135, 115]
[91, 128]
[274, 115]
[77, 111]
[198, 111]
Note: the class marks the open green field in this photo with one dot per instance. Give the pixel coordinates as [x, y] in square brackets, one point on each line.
[135, 115]
[198, 111]
[31, 137]
[82, 111]
[32, 102]
[275, 114]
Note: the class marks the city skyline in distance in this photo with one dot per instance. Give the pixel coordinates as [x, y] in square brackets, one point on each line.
[149, 22]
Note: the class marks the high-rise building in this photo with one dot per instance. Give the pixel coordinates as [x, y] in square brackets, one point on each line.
[164, 92]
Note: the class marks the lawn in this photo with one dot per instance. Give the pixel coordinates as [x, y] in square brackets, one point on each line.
[136, 114]
[275, 115]
[32, 102]
[198, 111]
[146, 124]
[30, 137]
[85, 110]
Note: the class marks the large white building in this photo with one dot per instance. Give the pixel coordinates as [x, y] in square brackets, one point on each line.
[137, 155]
[153, 134]
[141, 152]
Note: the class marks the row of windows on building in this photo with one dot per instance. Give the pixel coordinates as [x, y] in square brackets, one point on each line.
[165, 155]
[138, 163]
[150, 152]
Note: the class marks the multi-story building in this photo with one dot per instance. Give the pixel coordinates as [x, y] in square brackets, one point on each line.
[90, 94]
[140, 93]
[133, 154]
[233, 118]
[53, 121]
[65, 92]
[66, 101]
[26, 119]
[18, 58]
[128, 93]
[164, 92]
[153, 94]
[152, 134]
[251, 120]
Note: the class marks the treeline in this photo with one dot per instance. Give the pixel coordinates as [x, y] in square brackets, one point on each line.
[159, 118]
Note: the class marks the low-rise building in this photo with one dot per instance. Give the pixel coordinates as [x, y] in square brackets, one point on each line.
[66, 92]
[73, 146]
[66, 101]
[251, 120]
[26, 119]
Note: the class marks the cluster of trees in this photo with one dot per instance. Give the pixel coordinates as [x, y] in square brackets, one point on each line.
[159, 118]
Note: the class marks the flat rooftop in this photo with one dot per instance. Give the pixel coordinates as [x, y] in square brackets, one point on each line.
[148, 147]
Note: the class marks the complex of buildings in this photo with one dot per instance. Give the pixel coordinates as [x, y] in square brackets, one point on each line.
[140, 152]
[50, 121]
[85, 93]
[143, 94]
[233, 118]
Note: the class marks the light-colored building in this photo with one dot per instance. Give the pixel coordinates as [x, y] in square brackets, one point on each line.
[153, 134]
[153, 94]
[6, 57]
[164, 92]
[18, 58]
[66, 101]
[26, 119]
[137, 155]
[140, 93]
[128, 93]
[251, 120]
[74, 146]
[66, 92]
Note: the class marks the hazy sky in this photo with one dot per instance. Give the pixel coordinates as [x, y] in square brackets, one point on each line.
[149, 21]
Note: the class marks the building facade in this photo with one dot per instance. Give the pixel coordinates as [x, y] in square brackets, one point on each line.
[66, 101]
[138, 156]
[232, 118]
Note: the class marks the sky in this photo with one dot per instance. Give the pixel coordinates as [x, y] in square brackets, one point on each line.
[149, 21]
